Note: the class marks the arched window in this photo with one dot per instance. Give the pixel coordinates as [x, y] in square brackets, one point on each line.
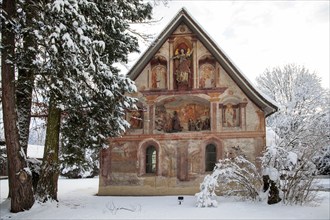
[151, 159]
[210, 157]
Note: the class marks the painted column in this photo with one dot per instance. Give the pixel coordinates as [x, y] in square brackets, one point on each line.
[146, 120]
[243, 114]
[220, 124]
[170, 64]
[195, 63]
[150, 114]
[214, 111]
[182, 162]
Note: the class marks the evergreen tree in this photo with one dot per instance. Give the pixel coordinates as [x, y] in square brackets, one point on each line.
[26, 51]
[109, 108]
[80, 41]
[68, 48]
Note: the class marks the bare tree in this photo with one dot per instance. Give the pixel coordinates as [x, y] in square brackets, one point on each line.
[303, 116]
[302, 125]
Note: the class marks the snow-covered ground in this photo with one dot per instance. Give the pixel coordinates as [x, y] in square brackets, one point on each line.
[78, 200]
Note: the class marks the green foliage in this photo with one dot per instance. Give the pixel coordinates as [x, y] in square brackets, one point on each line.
[73, 48]
[81, 42]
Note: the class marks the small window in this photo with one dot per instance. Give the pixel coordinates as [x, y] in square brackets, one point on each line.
[210, 157]
[151, 157]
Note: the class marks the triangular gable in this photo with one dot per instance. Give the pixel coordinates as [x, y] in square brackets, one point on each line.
[184, 18]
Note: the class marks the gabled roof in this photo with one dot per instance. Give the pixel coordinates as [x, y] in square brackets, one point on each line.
[267, 105]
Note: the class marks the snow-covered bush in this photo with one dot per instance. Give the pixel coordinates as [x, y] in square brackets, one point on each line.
[293, 172]
[207, 197]
[230, 177]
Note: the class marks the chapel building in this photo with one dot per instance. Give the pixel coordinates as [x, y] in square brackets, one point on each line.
[194, 108]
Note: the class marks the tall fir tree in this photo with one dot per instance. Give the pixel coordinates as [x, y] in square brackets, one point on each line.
[26, 52]
[79, 43]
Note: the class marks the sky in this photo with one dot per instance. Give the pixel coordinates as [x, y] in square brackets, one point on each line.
[257, 35]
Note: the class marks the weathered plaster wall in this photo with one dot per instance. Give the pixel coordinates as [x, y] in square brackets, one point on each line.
[181, 153]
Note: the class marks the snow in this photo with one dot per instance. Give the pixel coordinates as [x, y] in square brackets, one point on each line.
[35, 151]
[292, 159]
[78, 200]
[272, 173]
[271, 137]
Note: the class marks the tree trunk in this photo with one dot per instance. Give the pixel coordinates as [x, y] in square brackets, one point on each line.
[25, 81]
[47, 185]
[20, 178]
[274, 193]
[23, 102]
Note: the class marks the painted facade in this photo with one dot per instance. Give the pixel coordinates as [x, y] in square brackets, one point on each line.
[194, 108]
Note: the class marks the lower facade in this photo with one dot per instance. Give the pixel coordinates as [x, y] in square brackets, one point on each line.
[170, 164]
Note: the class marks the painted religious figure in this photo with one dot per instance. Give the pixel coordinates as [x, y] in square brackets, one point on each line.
[168, 123]
[176, 126]
[180, 115]
[207, 72]
[158, 77]
[183, 67]
[231, 116]
[136, 120]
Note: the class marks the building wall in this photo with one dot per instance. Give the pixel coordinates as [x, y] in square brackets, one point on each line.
[180, 116]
